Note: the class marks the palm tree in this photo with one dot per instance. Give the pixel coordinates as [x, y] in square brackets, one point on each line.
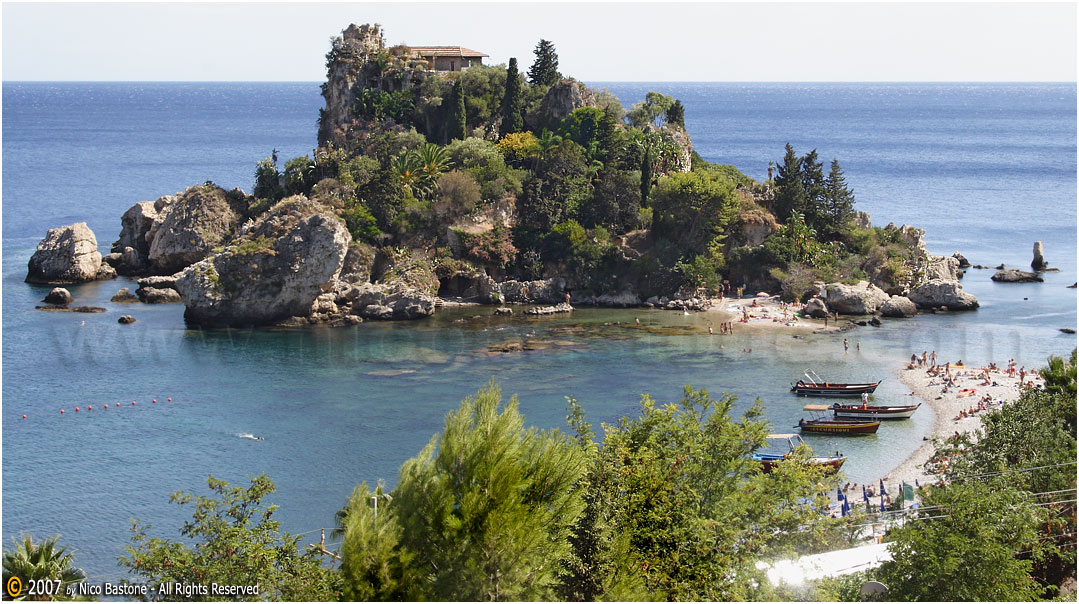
[406, 168]
[43, 560]
[433, 159]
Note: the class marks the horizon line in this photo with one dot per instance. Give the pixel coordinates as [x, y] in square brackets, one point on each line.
[580, 80]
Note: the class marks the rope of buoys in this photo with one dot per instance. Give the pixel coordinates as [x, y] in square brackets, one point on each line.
[24, 416]
[91, 407]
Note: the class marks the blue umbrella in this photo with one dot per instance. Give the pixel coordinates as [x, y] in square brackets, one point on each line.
[882, 491]
[882, 508]
[916, 485]
[865, 494]
[838, 494]
[846, 506]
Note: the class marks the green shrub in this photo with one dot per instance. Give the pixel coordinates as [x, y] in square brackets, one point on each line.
[361, 224]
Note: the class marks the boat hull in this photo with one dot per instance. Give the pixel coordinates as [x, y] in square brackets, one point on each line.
[802, 389]
[771, 462]
[839, 427]
[874, 413]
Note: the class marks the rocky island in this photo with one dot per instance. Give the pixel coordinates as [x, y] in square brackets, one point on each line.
[440, 179]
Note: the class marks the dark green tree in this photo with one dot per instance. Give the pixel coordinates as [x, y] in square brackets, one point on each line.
[815, 191]
[790, 189]
[646, 176]
[544, 70]
[268, 181]
[236, 542]
[691, 209]
[676, 114]
[839, 203]
[607, 138]
[455, 118]
[299, 175]
[512, 116]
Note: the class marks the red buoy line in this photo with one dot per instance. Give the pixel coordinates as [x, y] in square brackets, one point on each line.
[91, 407]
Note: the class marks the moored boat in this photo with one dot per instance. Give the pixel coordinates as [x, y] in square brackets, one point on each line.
[840, 427]
[832, 389]
[874, 411]
[769, 461]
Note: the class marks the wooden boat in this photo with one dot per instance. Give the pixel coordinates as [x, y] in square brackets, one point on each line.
[801, 388]
[769, 461]
[874, 411]
[839, 427]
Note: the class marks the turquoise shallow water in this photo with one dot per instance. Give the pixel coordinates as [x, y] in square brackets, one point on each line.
[338, 406]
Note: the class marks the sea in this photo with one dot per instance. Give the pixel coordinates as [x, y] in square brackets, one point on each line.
[985, 169]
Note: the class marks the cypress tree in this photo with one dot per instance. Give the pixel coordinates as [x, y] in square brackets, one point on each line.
[607, 137]
[455, 121]
[790, 192]
[512, 120]
[840, 200]
[646, 176]
[544, 71]
[815, 209]
[676, 115]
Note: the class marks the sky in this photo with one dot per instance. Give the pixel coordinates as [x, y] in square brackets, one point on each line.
[600, 42]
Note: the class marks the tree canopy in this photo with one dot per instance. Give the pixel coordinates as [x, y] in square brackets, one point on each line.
[544, 70]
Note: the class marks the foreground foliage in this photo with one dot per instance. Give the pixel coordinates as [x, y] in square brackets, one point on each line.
[236, 542]
[42, 561]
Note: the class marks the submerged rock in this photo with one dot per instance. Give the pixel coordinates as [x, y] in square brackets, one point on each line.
[124, 296]
[67, 254]
[62, 308]
[549, 310]
[1014, 275]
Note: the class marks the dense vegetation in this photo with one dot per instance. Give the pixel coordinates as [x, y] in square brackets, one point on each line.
[609, 198]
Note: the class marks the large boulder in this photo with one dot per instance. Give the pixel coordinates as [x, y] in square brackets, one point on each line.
[627, 299]
[1014, 275]
[898, 306]
[910, 235]
[469, 286]
[58, 295]
[936, 293]
[815, 308]
[1039, 263]
[158, 295]
[200, 220]
[961, 259]
[945, 268]
[131, 252]
[860, 299]
[67, 254]
[275, 268]
[124, 296]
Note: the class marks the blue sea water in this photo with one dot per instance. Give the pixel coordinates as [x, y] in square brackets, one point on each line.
[986, 169]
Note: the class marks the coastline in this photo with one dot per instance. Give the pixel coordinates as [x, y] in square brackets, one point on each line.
[946, 407]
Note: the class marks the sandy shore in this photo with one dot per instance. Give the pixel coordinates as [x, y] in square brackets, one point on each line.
[764, 314]
[946, 405]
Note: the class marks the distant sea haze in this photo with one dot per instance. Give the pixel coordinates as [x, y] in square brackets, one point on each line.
[985, 169]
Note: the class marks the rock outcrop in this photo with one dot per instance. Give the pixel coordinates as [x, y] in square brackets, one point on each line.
[275, 268]
[388, 301]
[860, 299]
[937, 293]
[963, 262]
[130, 254]
[1014, 275]
[562, 98]
[1039, 263]
[942, 267]
[125, 320]
[59, 295]
[344, 79]
[67, 254]
[543, 291]
[201, 219]
[469, 286]
[898, 306]
[627, 299]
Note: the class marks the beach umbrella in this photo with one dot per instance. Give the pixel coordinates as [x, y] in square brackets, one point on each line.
[846, 506]
[762, 294]
[882, 508]
[882, 490]
[838, 494]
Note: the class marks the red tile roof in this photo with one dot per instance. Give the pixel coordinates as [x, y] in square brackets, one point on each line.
[447, 51]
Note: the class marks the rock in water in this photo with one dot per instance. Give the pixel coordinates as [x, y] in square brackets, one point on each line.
[1014, 275]
[943, 267]
[158, 295]
[58, 295]
[549, 310]
[126, 320]
[275, 268]
[898, 306]
[1039, 263]
[67, 254]
[963, 262]
[124, 296]
[936, 293]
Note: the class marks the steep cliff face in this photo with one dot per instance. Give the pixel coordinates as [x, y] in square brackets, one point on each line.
[350, 53]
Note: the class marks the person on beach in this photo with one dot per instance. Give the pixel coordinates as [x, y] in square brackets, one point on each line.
[709, 330]
[923, 357]
[637, 319]
[933, 358]
[846, 346]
